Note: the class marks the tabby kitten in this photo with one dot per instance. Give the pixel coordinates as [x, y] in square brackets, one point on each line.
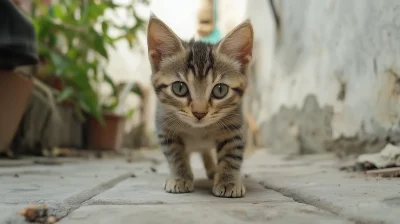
[199, 88]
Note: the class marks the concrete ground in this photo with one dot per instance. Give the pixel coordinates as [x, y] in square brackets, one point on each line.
[308, 189]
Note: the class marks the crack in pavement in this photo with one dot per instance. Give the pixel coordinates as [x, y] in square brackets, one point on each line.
[74, 202]
[313, 201]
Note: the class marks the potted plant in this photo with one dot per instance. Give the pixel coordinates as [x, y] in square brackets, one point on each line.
[107, 133]
[74, 55]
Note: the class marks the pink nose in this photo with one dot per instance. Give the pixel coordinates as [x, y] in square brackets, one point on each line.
[199, 115]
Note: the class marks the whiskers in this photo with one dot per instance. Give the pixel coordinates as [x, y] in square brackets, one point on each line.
[170, 124]
[229, 122]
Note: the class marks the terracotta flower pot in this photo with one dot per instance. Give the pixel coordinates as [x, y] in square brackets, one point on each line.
[15, 91]
[108, 136]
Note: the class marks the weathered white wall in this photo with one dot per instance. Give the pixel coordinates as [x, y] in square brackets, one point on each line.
[343, 57]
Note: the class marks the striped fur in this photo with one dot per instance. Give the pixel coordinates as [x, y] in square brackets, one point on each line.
[199, 121]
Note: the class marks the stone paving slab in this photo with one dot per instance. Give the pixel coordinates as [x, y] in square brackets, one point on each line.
[143, 200]
[321, 184]
[199, 213]
[55, 183]
[60, 187]
[148, 189]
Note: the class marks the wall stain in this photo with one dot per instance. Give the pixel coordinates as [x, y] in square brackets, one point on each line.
[342, 85]
[308, 130]
[299, 131]
[394, 201]
[342, 92]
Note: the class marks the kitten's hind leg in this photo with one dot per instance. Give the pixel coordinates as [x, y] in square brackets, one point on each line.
[209, 163]
[181, 176]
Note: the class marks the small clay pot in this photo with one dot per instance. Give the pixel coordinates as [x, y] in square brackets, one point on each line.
[107, 136]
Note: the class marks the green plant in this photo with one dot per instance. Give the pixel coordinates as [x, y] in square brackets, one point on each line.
[73, 39]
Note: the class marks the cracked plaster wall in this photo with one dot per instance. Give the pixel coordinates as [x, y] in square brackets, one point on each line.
[328, 77]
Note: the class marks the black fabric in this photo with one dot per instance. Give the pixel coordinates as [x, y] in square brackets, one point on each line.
[17, 37]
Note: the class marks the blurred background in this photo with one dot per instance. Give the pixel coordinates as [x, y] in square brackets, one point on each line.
[325, 75]
[77, 127]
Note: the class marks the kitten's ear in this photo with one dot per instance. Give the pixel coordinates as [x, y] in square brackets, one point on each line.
[161, 41]
[238, 44]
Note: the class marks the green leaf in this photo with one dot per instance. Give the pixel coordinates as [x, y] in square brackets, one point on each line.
[115, 93]
[130, 113]
[89, 102]
[60, 61]
[130, 38]
[85, 10]
[65, 94]
[99, 44]
[59, 11]
[104, 27]
[136, 89]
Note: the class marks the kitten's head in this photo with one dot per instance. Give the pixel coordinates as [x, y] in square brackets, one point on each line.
[197, 82]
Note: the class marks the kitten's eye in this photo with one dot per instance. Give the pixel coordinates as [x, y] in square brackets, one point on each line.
[220, 90]
[180, 89]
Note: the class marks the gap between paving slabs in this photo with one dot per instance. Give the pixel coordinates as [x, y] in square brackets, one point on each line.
[62, 209]
[109, 174]
[83, 197]
[310, 199]
[77, 200]
[364, 212]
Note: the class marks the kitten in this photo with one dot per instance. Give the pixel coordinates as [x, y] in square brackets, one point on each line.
[199, 88]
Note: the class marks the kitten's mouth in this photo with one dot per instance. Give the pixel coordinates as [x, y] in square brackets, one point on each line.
[199, 123]
[194, 122]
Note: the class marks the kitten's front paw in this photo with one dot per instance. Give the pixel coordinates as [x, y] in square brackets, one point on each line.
[229, 190]
[175, 185]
